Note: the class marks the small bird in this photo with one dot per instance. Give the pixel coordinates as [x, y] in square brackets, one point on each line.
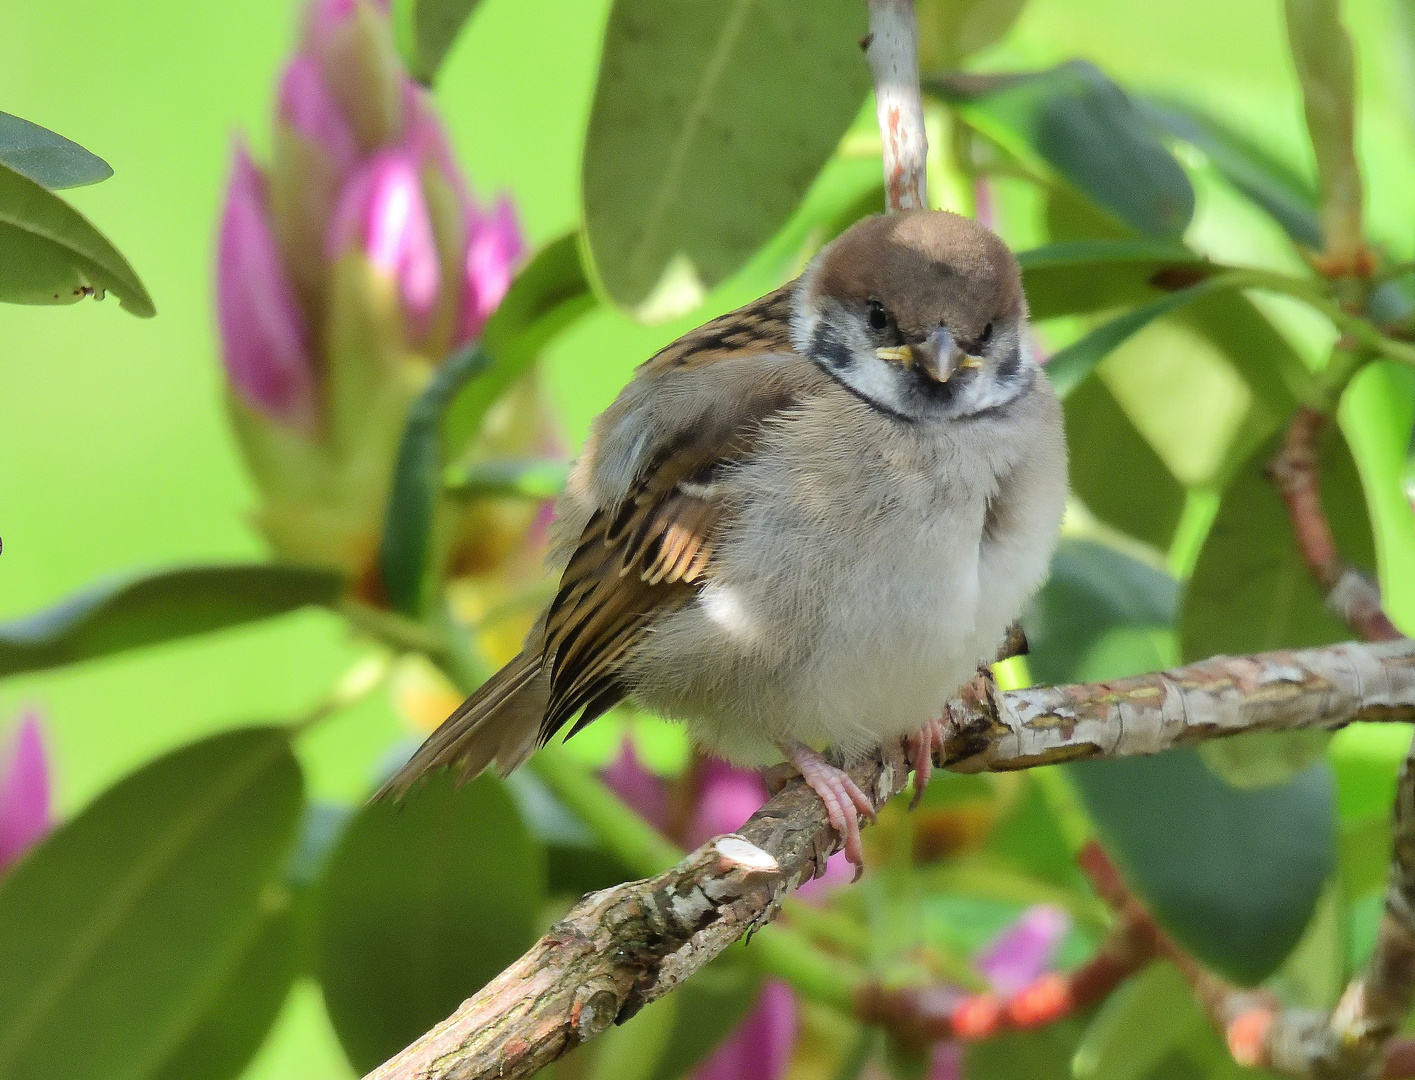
[805, 524]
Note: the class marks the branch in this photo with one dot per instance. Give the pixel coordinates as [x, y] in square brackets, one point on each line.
[625, 946]
[892, 49]
[1350, 595]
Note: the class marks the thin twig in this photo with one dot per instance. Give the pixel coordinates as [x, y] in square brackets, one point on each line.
[892, 49]
[1350, 594]
[628, 945]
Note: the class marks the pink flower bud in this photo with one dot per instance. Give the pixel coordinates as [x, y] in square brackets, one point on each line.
[1023, 952]
[494, 246]
[762, 1045]
[383, 213]
[324, 17]
[263, 335]
[24, 793]
[307, 106]
[946, 1061]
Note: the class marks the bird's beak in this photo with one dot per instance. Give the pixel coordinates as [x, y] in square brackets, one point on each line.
[939, 356]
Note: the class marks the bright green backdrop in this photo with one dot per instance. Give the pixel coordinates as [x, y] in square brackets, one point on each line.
[113, 449]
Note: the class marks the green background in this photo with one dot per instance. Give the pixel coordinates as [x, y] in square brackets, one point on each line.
[114, 453]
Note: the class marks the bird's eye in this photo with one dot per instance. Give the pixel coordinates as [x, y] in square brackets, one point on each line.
[879, 318]
[986, 335]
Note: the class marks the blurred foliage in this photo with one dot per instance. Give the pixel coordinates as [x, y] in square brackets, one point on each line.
[1200, 220]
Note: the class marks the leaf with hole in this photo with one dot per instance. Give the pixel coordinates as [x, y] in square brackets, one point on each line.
[131, 612]
[50, 254]
[129, 922]
[46, 157]
[1074, 126]
[709, 124]
[423, 901]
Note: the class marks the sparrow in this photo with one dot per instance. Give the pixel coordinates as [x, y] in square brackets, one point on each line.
[803, 525]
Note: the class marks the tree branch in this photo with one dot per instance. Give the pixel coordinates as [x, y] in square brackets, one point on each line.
[625, 946]
[1350, 595]
[892, 49]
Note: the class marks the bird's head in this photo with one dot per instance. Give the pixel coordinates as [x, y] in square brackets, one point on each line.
[920, 313]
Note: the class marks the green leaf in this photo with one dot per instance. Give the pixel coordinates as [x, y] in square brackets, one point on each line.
[1093, 590]
[952, 30]
[1233, 874]
[1252, 592]
[423, 902]
[538, 478]
[709, 123]
[1075, 126]
[1138, 1026]
[244, 1009]
[405, 552]
[1069, 366]
[50, 254]
[46, 157]
[1321, 52]
[1042, 1054]
[1115, 472]
[131, 612]
[129, 922]
[549, 294]
[1269, 183]
[426, 31]
[1079, 277]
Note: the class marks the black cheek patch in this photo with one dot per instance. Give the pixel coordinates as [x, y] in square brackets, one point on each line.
[1009, 366]
[828, 349]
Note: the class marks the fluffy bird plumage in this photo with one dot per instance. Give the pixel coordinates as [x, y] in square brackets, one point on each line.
[805, 522]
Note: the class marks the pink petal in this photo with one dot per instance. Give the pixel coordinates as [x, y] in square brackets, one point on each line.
[494, 247]
[727, 797]
[307, 106]
[946, 1061]
[263, 336]
[644, 792]
[24, 793]
[761, 1047]
[1022, 952]
[425, 138]
[324, 17]
[838, 871]
[382, 211]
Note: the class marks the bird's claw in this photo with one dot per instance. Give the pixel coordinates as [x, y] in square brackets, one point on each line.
[920, 748]
[843, 800]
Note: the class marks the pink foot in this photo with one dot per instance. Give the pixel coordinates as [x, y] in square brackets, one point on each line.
[921, 746]
[843, 799]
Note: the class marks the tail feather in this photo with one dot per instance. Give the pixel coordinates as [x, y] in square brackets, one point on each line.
[500, 722]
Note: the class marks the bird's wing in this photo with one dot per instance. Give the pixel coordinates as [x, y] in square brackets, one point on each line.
[650, 551]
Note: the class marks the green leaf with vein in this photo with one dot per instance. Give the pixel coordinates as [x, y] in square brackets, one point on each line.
[1073, 126]
[128, 922]
[1138, 1026]
[709, 123]
[50, 254]
[1080, 277]
[46, 157]
[426, 31]
[423, 902]
[131, 612]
